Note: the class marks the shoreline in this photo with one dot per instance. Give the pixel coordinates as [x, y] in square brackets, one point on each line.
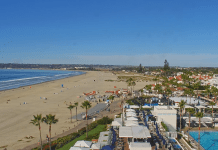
[42, 82]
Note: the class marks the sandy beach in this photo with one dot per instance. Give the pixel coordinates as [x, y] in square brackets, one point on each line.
[15, 115]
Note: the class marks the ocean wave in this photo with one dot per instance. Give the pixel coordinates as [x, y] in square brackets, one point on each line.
[16, 83]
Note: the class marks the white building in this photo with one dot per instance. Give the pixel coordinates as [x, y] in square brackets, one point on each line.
[163, 114]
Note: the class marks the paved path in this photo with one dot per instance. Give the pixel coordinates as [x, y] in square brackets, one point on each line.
[99, 107]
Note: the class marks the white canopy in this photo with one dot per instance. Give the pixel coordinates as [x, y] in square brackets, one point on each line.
[130, 110]
[188, 106]
[146, 106]
[133, 106]
[213, 107]
[79, 148]
[95, 146]
[117, 122]
[132, 118]
[200, 107]
[83, 143]
[139, 146]
[131, 123]
[125, 132]
[130, 114]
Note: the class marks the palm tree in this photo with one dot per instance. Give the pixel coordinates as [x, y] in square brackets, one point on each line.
[86, 105]
[129, 83]
[168, 92]
[75, 105]
[37, 122]
[71, 107]
[197, 85]
[212, 104]
[190, 111]
[199, 115]
[214, 90]
[50, 119]
[133, 84]
[181, 106]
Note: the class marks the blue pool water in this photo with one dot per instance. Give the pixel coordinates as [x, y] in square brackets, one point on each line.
[208, 139]
[15, 78]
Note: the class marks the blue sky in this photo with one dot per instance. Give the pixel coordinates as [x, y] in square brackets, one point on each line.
[112, 32]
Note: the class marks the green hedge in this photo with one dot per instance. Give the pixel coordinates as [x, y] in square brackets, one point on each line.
[95, 131]
[60, 142]
[164, 126]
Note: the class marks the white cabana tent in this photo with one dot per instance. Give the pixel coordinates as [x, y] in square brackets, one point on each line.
[117, 122]
[83, 143]
[146, 106]
[133, 106]
[95, 146]
[125, 132]
[129, 114]
[139, 146]
[131, 123]
[130, 110]
[188, 106]
[79, 148]
[214, 107]
[132, 118]
[199, 107]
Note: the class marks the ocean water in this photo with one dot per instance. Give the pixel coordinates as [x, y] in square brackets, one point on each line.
[15, 78]
[208, 139]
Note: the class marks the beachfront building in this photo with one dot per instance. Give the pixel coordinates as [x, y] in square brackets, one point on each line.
[83, 145]
[165, 114]
[136, 137]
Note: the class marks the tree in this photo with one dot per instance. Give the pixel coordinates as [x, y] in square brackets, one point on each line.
[50, 119]
[111, 97]
[214, 90]
[166, 66]
[181, 106]
[158, 88]
[129, 83]
[76, 105]
[199, 115]
[86, 105]
[71, 107]
[148, 87]
[212, 104]
[133, 84]
[190, 111]
[196, 85]
[140, 68]
[37, 122]
[168, 92]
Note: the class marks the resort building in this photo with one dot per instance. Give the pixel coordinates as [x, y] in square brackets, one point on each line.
[165, 114]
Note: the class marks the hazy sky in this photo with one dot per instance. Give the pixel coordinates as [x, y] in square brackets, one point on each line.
[116, 32]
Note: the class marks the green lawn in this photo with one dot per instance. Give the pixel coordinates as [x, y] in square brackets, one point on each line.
[99, 128]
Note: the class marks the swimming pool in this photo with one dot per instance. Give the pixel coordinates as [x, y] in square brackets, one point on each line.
[208, 139]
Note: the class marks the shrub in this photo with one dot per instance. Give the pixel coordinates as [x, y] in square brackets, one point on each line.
[105, 120]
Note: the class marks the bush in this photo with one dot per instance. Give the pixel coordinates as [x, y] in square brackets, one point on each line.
[105, 120]
[164, 126]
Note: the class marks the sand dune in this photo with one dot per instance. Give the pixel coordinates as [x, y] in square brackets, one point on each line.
[15, 116]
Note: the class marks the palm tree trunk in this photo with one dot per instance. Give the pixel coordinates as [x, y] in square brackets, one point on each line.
[180, 120]
[71, 116]
[189, 120]
[76, 113]
[50, 136]
[199, 134]
[40, 136]
[212, 115]
[87, 124]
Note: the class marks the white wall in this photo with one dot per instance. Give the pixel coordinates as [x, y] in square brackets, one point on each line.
[168, 116]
